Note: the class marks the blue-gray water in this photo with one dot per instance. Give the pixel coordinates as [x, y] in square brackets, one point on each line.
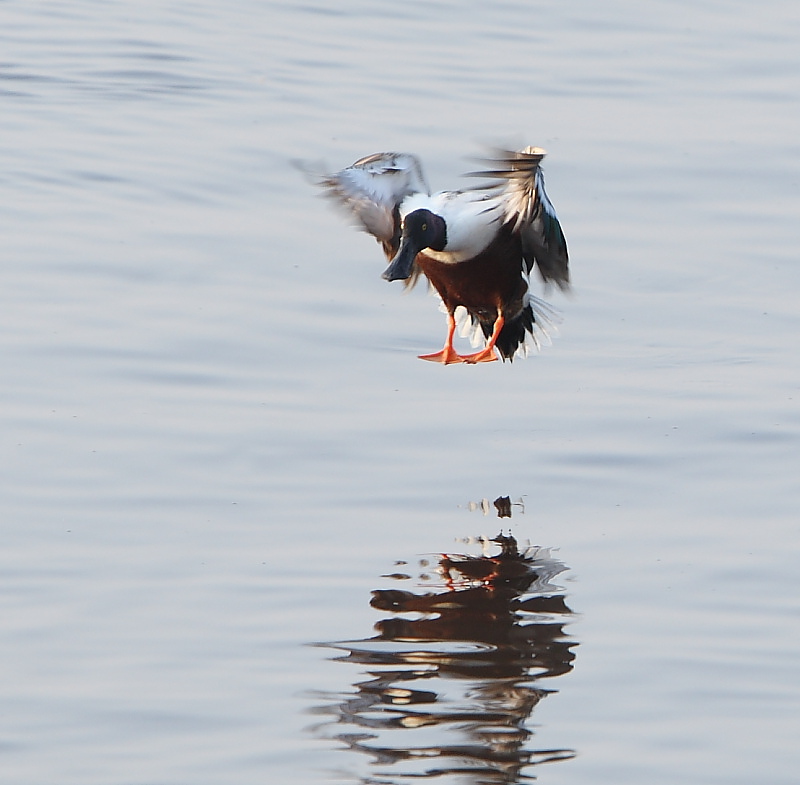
[217, 437]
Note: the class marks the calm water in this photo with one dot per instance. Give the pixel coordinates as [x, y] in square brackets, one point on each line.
[220, 455]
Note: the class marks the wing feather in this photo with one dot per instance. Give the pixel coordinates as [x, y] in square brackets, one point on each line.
[518, 183]
[372, 189]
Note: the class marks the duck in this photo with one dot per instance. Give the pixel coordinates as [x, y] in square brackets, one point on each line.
[476, 246]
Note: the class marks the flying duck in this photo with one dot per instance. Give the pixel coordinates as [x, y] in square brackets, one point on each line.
[477, 247]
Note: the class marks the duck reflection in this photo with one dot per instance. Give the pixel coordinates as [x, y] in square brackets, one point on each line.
[456, 673]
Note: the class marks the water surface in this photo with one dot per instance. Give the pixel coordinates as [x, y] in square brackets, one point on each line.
[217, 436]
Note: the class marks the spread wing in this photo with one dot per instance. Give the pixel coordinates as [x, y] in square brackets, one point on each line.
[372, 189]
[519, 187]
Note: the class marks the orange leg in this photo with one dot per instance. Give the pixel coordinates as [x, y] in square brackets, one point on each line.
[487, 355]
[448, 354]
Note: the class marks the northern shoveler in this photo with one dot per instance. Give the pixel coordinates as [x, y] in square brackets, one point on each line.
[477, 247]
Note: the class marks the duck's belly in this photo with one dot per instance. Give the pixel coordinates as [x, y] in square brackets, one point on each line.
[485, 285]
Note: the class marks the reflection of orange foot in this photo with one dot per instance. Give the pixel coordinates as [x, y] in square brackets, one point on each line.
[486, 355]
[447, 356]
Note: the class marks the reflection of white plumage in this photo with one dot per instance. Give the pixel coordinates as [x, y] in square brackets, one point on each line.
[477, 247]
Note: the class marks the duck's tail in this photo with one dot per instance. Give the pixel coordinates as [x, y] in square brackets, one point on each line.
[534, 324]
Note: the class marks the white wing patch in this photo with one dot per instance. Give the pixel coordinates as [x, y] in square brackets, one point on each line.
[384, 179]
[373, 188]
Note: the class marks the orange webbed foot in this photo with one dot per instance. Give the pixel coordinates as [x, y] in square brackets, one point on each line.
[446, 356]
[486, 355]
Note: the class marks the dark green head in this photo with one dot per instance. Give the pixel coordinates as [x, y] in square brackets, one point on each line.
[421, 229]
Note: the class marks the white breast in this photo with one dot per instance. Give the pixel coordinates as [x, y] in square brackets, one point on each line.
[472, 219]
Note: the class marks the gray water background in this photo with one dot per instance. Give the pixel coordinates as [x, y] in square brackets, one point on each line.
[216, 436]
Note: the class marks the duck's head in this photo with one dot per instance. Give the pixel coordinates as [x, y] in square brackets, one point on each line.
[421, 229]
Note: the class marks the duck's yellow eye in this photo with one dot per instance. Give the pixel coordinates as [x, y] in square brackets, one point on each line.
[424, 227]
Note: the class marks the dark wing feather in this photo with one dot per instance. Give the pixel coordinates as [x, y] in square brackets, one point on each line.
[519, 183]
